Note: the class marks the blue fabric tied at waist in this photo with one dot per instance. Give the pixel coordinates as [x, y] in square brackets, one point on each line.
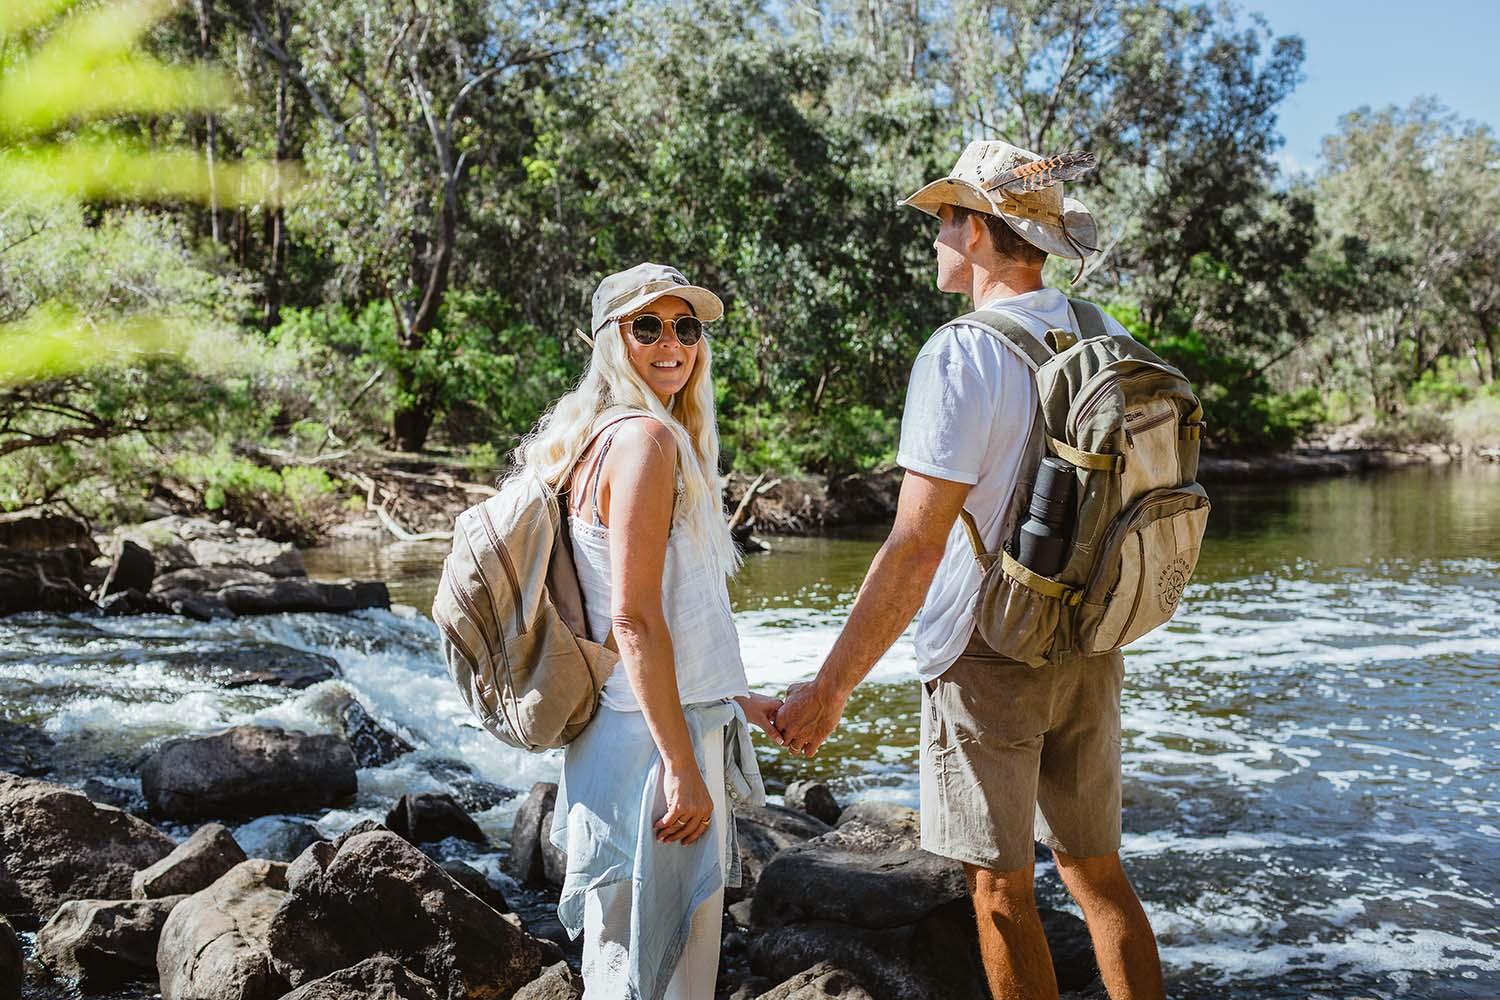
[608, 801]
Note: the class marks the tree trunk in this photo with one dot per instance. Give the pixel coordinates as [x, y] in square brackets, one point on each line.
[276, 220]
[204, 42]
[411, 424]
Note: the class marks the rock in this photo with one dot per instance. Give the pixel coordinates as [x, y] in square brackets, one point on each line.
[56, 845]
[106, 794]
[33, 530]
[12, 961]
[813, 798]
[373, 745]
[557, 982]
[181, 542]
[763, 832]
[377, 978]
[824, 981]
[274, 665]
[529, 835]
[279, 559]
[214, 942]
[889, 961]
[133, 568]
[473, 880]
[133, 602]
[898, 819]
[432, 816]
[101, 944]
[197, 863]
[49, 580]
[837, 881]
[247, 771]
[293, 594]
[24, 750]
[377, 894]
[1072, 950]
[276, 838]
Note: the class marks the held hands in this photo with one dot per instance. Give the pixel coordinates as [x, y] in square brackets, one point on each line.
[808, 716]
[760, 710]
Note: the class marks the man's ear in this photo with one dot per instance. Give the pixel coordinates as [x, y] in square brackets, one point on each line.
[975, 234]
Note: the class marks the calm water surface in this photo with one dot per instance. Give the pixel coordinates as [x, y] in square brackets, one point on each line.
[1312, 784]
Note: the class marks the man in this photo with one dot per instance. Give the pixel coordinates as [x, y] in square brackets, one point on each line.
[1001, 742]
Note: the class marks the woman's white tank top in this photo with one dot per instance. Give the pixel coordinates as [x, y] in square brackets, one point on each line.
[695, 601]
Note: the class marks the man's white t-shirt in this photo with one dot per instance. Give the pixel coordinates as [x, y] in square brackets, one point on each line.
[969, 409]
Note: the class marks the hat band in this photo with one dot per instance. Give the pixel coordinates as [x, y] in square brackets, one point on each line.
[1024, 211]
[649, 288]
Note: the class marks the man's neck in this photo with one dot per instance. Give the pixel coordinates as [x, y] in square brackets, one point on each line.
[1004, 282]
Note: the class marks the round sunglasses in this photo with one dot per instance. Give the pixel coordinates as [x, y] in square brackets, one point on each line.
[647, 329]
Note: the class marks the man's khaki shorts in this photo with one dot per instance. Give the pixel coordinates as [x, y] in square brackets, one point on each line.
[1012, 754]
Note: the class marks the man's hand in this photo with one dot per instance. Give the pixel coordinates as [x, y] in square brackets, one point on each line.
[808, 717]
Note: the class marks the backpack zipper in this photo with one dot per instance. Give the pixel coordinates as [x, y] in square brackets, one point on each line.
[509, 567]
[1092, 399]
[1155, 421]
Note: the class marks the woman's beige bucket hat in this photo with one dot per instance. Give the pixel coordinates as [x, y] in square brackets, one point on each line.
[1044, 218]
[624, 292]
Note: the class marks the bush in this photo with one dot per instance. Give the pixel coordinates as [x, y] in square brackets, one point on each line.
[1404, 430]
[288, 504]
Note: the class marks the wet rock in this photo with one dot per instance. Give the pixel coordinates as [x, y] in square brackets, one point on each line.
[824, 981]
[378, 978]
[12, 961]
[762, 833]
[431, 816]
[132, 568]
[106, 794]
[473, 880]
[377, 894]
[528, 836]
[888, 960]
[49, 580]
[33, 530]
[373, 745]
[898, 819]
[851, 879]
[276, 838]
[813, 798]
[195, 864]
[133, 602]
[213, 944]
[56, 845]
[557, 982]
[294, 594]
[102, 944]
[181, 542]
[247, 771]
[24, 750]
[272, 664]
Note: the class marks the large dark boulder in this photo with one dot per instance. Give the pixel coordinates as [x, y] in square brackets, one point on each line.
[33, 530]
[529, 843]
[247, 771]
[816, 881]
[213, 945]
[24, 750]
[195, 864]
[294, 594]
[430, 816]
[56, 845]
[100, 944]
[12, 961]
[375, 894]
[49, 580]
[813, 798]
[891, 962]
[133, 568]
[373, 744]
[271, 664]
[474, 880]
[764, 832]
[378, 978]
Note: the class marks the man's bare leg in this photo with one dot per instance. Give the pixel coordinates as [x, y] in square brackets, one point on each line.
[1124, 944]
[1011, 943]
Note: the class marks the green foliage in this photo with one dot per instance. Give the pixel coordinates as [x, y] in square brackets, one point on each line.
[279, 503]
[834, 442]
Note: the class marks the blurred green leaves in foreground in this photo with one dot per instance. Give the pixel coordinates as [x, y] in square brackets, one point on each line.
[70, 73]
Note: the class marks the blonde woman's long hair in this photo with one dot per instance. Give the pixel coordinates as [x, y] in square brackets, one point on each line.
[556, 444]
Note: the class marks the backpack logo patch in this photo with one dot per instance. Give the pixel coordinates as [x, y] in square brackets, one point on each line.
[1169, 584]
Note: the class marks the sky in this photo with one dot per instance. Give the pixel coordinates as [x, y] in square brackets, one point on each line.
[1378, 53]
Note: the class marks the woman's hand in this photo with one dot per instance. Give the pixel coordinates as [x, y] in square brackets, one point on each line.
[761, 710]
[689, 806]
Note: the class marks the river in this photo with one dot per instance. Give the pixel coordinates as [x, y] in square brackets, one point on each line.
[1312, 779]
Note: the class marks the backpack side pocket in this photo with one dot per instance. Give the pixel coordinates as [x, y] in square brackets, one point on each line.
[1019, 612]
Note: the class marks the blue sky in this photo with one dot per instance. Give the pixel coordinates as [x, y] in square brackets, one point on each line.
[1379, 53]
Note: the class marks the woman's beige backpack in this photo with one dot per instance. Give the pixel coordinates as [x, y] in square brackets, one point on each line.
[1130, 425]
[511, 616]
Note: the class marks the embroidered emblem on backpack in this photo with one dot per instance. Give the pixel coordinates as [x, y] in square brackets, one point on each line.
[1169, 583]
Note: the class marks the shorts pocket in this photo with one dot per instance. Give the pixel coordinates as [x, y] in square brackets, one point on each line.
[1019, 612]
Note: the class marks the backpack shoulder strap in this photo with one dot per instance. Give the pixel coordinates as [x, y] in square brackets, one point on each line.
[1009, 331]
[1090, 319]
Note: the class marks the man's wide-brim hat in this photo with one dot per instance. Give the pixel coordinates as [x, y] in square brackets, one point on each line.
[625, 292]
[1022, 188]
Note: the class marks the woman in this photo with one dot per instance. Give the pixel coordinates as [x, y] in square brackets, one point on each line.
[642, 809]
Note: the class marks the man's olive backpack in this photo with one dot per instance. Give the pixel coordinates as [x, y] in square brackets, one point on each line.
[511, 618]
[1130, 425]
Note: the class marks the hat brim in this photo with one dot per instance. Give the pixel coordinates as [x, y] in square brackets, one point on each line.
[705, 304]
[1044, 236]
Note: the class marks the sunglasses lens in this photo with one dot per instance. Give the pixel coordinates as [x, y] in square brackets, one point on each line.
[689, 331]
[646, 329]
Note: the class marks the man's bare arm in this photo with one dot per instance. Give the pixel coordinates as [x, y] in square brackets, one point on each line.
[892, 592]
